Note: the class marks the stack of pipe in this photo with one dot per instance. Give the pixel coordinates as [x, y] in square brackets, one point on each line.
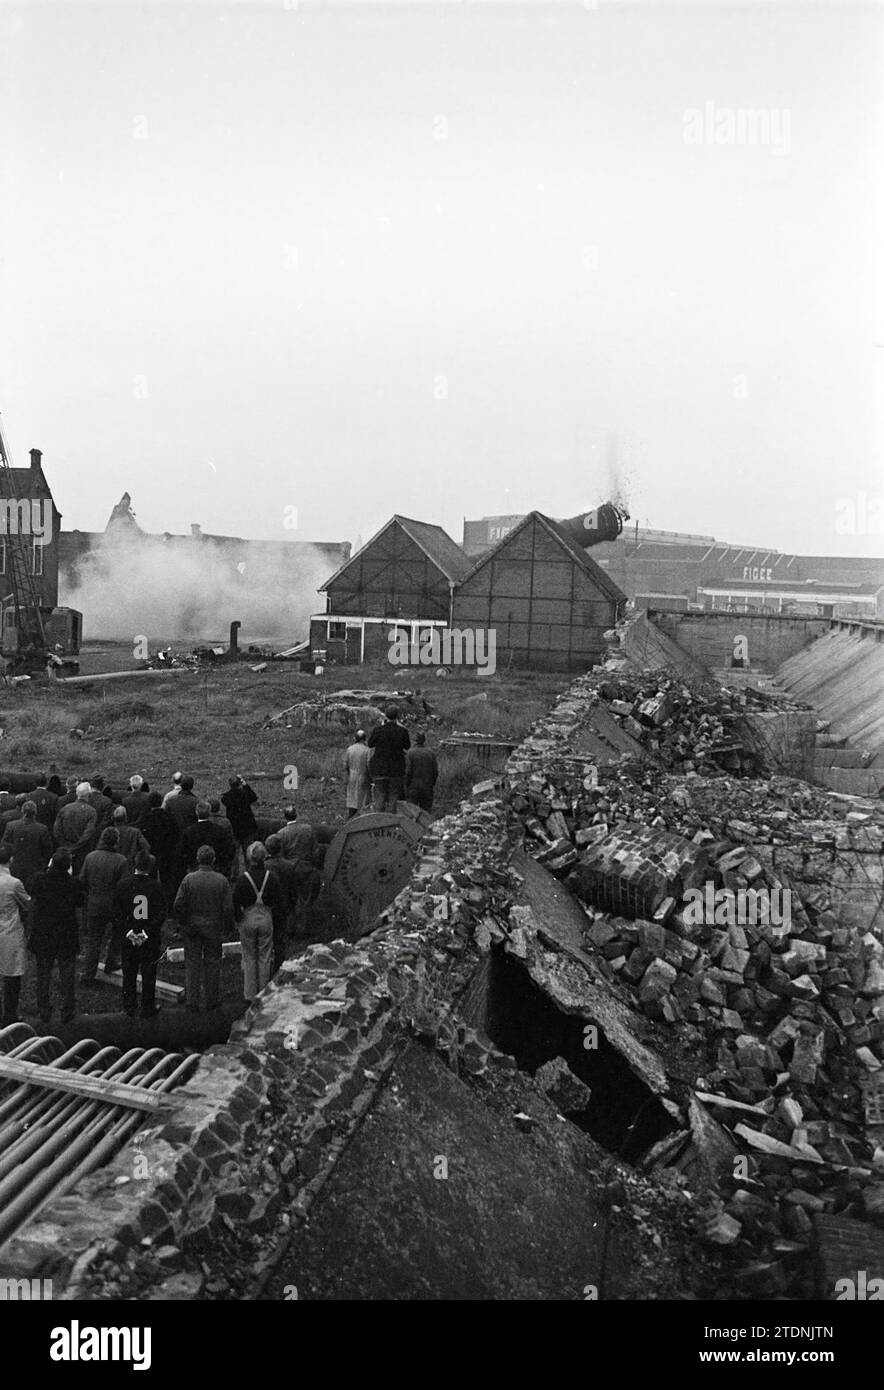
[50, 1139]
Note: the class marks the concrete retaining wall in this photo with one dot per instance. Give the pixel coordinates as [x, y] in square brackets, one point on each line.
[709, 637]
[842, 676]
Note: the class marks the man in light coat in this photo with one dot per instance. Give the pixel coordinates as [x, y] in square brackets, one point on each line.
[14, 902]
[356, 761]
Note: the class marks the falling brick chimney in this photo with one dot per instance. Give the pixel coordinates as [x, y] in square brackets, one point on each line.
[195, 530]
[36, 460]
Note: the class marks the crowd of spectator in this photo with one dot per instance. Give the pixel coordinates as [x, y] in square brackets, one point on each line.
[86, 873]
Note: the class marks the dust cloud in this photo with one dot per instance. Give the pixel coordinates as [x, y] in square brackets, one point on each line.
[188, 589]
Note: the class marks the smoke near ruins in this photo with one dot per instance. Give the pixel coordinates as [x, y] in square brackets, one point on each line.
[185, 588]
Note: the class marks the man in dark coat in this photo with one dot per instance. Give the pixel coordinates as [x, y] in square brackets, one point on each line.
[421, 774]
[206, 832]
[297, 837]
[161, 833]
[31, 845]
[65, 798]
[102, 871]
[130, 839]
[136, 799]
[289, 880]
[140, 905]
[46, 803]
[13, 812]
[238, 803]
[204, 907]
[389, 742]
[56, 898]
[75, 824]
[182, 808]
[102, 804]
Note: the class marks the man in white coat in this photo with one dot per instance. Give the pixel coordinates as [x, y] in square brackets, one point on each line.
[14, 902]
[358, 781]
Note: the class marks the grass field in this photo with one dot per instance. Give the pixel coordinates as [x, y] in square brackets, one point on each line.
[210, 725]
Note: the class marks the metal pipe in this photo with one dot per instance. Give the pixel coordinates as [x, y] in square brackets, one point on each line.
[49, 1141]
[59, 1177]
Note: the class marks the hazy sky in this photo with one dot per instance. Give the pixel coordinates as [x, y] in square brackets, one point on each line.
[444, 260]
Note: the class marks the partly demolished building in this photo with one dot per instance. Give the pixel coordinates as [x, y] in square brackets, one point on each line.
[255, 576]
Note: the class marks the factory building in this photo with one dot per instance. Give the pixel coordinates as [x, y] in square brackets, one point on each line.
[408, 570]
[701, 571]
[543, 595]
[546, 602]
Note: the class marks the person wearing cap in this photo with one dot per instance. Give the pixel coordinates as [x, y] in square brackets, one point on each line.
[135, 800]
[140, 908]
[101, 873]
[356, 761]
[389, 743]
[74, 827]
[56, 900]
[31, 845]
[204, 909]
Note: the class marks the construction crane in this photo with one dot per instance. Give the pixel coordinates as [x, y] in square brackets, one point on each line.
[23, 640]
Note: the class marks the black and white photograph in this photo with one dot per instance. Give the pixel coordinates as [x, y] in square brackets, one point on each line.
[441, 674]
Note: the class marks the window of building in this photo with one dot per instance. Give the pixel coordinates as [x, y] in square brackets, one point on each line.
[2, 557]
[337, 632]
[37, 558]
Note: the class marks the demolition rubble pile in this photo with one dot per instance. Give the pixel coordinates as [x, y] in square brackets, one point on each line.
[352, 709]
[687, 726]
[744, 917]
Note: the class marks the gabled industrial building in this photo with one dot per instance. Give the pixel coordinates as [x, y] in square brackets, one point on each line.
[546, 602]
[546, 599]
[408, 571]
